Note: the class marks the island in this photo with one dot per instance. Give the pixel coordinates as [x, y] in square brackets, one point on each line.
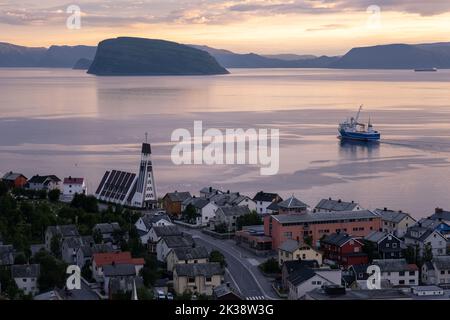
[126, 56]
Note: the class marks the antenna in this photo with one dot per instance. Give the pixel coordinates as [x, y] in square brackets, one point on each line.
[146, 137]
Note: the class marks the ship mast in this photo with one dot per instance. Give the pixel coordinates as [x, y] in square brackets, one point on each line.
[357, 115]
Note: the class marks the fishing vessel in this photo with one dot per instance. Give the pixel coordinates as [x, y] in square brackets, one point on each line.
[354, 130]
[425, 70]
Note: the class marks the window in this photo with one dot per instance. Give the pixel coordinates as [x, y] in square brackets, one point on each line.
[412, 273]
[412, 281]
[442, 271]
[191, 280]
[401, 273]
[394, 245]
[387, 245]
[401, 282]
[208, 279]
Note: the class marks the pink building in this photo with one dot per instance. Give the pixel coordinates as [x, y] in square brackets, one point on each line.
[316, 225]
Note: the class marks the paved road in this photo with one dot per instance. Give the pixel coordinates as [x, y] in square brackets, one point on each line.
[242, 271]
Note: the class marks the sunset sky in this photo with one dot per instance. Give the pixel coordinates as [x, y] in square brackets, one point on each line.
[263, 26]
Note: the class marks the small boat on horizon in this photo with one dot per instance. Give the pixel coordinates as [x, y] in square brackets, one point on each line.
[425, 70]
[353, 130]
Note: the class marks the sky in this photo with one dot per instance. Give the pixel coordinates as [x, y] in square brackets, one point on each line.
[329, 27]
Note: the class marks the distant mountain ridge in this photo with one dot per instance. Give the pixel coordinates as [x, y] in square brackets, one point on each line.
[390, 56]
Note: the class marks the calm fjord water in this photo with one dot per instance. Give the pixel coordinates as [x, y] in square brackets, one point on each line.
[69, 123]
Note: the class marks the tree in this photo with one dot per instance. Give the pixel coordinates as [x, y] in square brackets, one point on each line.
[427, 252]
[3, 188]
[144, 293]
[308, 240]
[270, 266]
[190, 214]
[97, 235]
[217, 256]
[87, 203]
[150, 272]
[221, 228]
[53, 271]
[53, 195]
[20, 259]
[250, 219]
[55, 245]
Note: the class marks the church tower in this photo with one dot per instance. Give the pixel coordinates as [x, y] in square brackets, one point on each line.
[145, 193]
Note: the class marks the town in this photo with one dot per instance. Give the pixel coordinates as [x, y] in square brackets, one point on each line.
[131, 244]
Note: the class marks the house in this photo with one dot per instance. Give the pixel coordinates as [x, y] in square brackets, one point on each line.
[254, 239]
[149, 220]
[225, 292]
[172, 202]
[186, 255]
[205, 210]
[330, 205]
[167, 243]
[314, 226]
[7, 253]
[207, 192]
[422, 239]
[118, 277]
[198, 278]
[293, 250]
[47, 183]
[14, 180]
[436, 271]
[84, 253]
[292, 266]
[106, 230]
[264, 199]
[386, 245]
[36, 248]
[26, 277]
[305, 279]
[70, 246]
[227, 216]
[441, 215]
[292, 205]
[343, 249]
[395, 222]
[435, 224]
[397, 272]
[100, 260]
[72, 186]
[232, 199]
[156, 233]
[61, 231]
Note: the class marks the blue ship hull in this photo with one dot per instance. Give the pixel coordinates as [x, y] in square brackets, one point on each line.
[362, 136]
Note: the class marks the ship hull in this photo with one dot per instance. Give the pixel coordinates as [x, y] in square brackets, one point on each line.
[360, 136]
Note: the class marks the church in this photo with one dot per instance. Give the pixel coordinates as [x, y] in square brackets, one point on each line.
[130, 189]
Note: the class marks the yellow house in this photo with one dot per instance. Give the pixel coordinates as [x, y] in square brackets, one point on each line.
[292, 250]
[198, 278]
[186, 255]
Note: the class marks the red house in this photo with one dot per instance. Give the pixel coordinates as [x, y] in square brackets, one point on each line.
[343, 249]
[14, 180]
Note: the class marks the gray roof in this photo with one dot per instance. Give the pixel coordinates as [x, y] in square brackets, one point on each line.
[234, 211]
[442, 262]
[301, 275]
[198, 203]
[25, 271]
[392, 216]
[189, 253]
[11, 176]
[50, 295]
[178, 196]
[35, 248]
[227, 199]
[162, 231]
[77, 242]
[178, 241]
[419, 233]
[43, 179]
[441, 215]
[107, 227]
[289, 245]
[393, 265]
[223, 290]
[430, 223]
[88, 250]
[198, 269]
[65, 231]
[6, 255]
[335, 205]
[119, 269]
[266, 196]
[151, 218]
[377, 236]
[292, 203]
[337, 239]
[323, 216]
[210, 190]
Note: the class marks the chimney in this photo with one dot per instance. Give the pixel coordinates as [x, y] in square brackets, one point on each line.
[210, 189]
[438, 210]
[420, 224]
[353, 201]
[400, 211]
[228, 191]
[385, 209]
[329, 198]
[228, 285]
[339, 200]
[176, 191]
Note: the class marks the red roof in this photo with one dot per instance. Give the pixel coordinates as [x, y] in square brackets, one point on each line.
[71, 180]
[102, 259]
[413, 267]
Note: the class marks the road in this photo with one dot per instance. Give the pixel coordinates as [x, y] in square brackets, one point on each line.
[242, 266]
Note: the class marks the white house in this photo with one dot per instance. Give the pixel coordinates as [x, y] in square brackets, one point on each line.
[72, 186]
[395, 222]
[420, 237]
[304, 280]
[26, 277]
[264, 199]
[436, 271]
[232, 199]
[167, 243]
[70, 246]
[149, 220]
[204, 208]
[397, 272]
[48, 183]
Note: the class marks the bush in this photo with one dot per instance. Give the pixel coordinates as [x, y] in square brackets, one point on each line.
[217, 256]
[53, 195]
[270, 266]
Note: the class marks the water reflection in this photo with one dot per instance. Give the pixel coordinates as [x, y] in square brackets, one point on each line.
[354, 149]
